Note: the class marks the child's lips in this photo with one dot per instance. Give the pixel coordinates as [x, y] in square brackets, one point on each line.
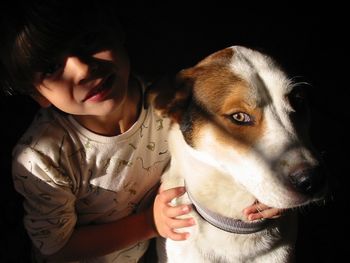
[102, 87]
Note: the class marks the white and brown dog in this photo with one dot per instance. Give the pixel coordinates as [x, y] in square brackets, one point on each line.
[239, 135]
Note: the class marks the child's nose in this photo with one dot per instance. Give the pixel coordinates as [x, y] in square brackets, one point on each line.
[77, 69]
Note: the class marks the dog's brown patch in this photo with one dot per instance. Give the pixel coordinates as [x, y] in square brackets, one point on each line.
[221, 93]
[222, 57]
[211, 93]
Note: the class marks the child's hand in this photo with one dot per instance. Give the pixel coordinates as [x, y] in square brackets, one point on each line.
[259, 210]
[165, 214]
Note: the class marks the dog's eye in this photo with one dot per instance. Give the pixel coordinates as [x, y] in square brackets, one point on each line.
[241, 118]
[298, 99]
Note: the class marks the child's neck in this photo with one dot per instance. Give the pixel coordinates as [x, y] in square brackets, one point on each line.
[122, 120]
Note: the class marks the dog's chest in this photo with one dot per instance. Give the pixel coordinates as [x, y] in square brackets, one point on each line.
[209, 244]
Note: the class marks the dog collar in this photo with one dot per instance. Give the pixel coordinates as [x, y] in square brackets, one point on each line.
[228, 224]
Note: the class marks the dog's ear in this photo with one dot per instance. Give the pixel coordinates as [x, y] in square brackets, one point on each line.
[171, 95]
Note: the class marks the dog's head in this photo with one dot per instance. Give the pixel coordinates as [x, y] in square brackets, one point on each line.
[240, 109]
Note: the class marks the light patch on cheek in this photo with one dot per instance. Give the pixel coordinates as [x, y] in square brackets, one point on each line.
[275, 139]
[230, 156]
[211, 140]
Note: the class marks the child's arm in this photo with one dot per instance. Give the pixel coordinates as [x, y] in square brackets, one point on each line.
[97, 240]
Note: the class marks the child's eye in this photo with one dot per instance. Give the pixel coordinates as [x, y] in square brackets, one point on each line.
[51, 70]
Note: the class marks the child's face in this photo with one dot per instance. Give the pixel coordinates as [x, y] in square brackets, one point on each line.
[89, 79]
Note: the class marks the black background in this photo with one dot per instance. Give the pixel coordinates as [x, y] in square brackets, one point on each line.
[308, 44]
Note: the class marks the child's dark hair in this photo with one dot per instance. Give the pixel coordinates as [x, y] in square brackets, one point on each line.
[35, 32]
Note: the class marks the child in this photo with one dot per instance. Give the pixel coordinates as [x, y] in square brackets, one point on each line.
[91, 159]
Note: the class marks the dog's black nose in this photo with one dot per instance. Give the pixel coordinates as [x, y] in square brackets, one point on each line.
[308, 181]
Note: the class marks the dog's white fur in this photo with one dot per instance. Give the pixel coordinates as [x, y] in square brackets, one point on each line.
[228, 165]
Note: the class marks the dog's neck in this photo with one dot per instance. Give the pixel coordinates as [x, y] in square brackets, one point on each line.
[227, 224]
[200, 173]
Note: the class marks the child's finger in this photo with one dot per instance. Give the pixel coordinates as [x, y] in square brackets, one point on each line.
[268, 213]
[175, 224]
[259, 211]
[178, 236]
[255, 208]
[181, 223]
[167, 195]
[178, 211]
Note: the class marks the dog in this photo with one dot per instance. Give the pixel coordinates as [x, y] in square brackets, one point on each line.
[239, 134]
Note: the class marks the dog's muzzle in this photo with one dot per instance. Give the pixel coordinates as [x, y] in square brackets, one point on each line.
[308, 181]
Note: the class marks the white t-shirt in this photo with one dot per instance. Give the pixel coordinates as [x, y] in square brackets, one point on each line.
[72, 177]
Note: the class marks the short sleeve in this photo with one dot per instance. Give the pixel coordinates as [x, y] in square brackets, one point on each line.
[49, 202]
